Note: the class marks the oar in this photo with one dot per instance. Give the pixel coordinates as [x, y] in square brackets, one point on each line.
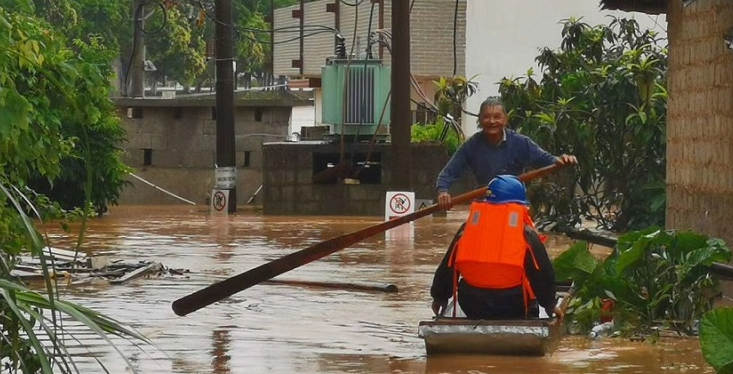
[237, 283]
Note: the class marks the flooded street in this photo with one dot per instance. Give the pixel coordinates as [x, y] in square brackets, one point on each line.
[282, 328]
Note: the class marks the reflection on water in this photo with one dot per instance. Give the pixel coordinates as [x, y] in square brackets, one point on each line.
[220, 351]
[283, 328]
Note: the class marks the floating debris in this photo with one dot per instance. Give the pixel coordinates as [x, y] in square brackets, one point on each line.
[80, 268]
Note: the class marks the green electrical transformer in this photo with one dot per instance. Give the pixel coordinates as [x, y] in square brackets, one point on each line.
[356, 98]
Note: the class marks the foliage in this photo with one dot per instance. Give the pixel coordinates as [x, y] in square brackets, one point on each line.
[452, 92]
[251, 46]
[716, 339]
[56, 112]
[654, 276]
[601, 97]
[175, 43]
[97, 156]
[436, 132]
[55, 104]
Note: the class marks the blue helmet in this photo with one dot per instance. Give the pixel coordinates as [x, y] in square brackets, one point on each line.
[506, 189]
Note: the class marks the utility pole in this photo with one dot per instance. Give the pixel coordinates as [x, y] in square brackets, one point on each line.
[134, 87]
[226, 170]
[401, 119]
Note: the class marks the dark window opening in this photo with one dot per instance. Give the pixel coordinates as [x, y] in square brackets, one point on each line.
[328, 170]
[147, 156]
[177, 113]
[213, 112]
[134, 112]
[258, 114]
[247, 158]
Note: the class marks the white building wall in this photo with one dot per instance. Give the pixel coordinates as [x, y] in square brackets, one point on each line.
[504, 37]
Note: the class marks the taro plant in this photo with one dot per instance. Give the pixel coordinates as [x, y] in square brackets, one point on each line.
[716, 339]
[601, 96]
[657, 278]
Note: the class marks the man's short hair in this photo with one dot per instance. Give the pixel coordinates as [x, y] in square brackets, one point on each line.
[491, 101]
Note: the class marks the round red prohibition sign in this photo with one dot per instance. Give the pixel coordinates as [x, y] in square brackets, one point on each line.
[220, 201]
[399, 203]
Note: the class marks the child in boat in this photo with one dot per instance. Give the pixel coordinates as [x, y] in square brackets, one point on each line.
[497, 267]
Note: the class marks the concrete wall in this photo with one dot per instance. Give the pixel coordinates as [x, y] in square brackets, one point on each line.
[182, 144]
[504, 37]
[289, 189]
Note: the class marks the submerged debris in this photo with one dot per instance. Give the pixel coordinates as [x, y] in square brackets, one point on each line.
[80, 268]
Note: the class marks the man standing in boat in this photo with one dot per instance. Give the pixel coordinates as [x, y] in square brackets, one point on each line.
[492, 151]
[497, 267]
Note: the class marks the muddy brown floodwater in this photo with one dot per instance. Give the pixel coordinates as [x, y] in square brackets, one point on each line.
[278, 328]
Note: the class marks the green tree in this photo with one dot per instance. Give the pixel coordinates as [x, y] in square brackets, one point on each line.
[252, 45]
[175, 43]
[601, 97]
[85, 117]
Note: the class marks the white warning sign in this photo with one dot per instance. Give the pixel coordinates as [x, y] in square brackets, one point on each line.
[398, 204]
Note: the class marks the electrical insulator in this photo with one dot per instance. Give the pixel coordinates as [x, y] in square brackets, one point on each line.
[341, 49]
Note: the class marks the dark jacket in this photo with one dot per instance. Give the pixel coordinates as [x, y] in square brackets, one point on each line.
[487, 160]
[480, 303]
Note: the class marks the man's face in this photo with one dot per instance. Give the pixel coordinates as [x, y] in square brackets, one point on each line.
[493, 120]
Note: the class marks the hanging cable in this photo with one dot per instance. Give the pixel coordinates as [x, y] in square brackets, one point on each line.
[356, 4]
[455, 48]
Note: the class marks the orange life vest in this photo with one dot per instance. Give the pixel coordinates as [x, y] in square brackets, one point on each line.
[491, 252]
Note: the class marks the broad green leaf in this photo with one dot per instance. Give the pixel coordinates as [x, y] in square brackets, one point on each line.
[716, 337]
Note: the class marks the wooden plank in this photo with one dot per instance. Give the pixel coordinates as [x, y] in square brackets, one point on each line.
[26, 275]
[150, 268]
[63, 254]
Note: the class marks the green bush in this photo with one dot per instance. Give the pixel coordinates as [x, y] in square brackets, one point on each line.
[601, 97]
[656, 277]
[438, 132]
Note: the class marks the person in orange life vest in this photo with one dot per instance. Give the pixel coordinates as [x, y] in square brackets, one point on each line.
[502, 264]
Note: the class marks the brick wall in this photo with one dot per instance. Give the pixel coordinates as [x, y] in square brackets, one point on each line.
[431, 25]
[700, 119]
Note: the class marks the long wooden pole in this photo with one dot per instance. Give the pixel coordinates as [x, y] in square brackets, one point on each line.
[243, 281]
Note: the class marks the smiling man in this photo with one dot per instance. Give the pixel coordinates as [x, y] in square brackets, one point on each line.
[493, 151]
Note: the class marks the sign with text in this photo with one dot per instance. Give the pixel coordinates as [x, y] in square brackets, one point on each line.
[226, 177]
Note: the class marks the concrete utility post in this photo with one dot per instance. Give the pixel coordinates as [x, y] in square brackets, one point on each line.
[401, 118]
[135, 87]
[226, 171]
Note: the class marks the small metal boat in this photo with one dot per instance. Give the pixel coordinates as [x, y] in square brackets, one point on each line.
[460, 335]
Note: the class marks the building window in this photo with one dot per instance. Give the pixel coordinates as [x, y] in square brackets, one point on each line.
[147, 156]
[366, 168]
[134, 112]
[258, 114]
[247, 158]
